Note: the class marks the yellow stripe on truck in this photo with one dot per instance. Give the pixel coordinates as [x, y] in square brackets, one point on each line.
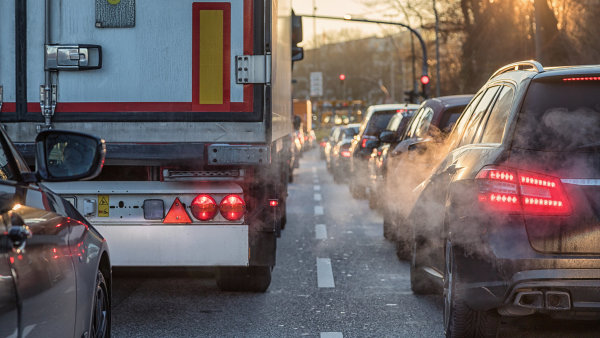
[211, 57]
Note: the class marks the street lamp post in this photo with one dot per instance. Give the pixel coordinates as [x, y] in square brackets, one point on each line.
[414, 32]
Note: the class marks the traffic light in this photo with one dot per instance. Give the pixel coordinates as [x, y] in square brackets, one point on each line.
[424, 85]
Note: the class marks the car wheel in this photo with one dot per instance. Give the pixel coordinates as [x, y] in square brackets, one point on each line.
[244, 279]
[420, 283]
[373, 203]
[459, 319]
[388, 228]
[100, 323]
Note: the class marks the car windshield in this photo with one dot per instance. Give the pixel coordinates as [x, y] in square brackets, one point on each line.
[559, 116]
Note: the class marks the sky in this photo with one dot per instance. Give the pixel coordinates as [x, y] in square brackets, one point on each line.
[334, 8]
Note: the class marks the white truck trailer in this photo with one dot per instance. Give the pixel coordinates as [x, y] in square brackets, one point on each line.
[194, 101]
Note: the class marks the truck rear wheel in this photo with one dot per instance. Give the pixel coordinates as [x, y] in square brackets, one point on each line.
[244, 279]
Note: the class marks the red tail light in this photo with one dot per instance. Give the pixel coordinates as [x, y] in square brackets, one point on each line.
[233, 207]
[345, 153]
[363, 143]
[522, 191]
[204, 207]
[583, 78]
[322, 144]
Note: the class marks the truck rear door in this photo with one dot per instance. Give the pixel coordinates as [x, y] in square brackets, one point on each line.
[117, 61]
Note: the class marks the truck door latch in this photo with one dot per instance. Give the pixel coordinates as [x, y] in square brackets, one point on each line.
[253, 69]
[73, 57]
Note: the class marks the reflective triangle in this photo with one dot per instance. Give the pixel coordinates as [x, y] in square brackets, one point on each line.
[177, 213]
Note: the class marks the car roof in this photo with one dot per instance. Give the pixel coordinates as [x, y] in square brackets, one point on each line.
[568, 71]
[538, 72]
[449, 101]
[380, 107]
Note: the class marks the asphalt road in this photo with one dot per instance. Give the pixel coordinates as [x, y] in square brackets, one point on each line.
[335, 277]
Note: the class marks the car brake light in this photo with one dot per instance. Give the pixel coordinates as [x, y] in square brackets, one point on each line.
[204, 207]
[363, 143]
[522, 191]
[345, 153]
[177, 213]
[322, 144]
[233, 207]
[583, 78]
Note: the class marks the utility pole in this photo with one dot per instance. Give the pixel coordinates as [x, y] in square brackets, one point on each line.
[316, 46]
[438, 83]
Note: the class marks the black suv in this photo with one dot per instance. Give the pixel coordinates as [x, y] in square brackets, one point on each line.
[509, 221]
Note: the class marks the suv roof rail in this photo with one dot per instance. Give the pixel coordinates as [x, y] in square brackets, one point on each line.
[530, 65]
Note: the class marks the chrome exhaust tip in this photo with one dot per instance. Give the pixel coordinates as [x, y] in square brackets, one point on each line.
[530, 300]
[558, 300]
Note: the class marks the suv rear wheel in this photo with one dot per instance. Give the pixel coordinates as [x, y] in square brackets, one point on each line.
[459, 319]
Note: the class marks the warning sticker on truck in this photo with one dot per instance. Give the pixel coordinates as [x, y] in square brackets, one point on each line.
[103, 206]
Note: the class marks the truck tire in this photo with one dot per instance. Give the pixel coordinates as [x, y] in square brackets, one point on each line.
[244, 279]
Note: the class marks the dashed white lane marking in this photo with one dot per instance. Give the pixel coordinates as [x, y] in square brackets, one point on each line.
[332, 335]
[318, 197]
[317, 187]
[318, 210]
[314, 169]
[321, 231]
[324, 273]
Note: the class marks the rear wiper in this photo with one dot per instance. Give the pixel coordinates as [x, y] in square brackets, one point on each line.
[590, 146]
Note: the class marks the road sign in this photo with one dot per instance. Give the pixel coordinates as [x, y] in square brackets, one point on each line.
[316, 84]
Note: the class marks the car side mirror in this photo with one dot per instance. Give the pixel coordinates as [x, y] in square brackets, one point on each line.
[67, 156]
[387, 136]
[420, 146]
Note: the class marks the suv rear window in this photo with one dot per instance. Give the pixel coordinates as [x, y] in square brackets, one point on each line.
[558, 116]
[379, 121]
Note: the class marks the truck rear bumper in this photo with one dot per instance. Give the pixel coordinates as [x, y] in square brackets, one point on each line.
[177, 245]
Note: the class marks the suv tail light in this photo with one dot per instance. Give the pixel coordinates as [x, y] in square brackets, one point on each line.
[521, 191]
[363, 143]
[233, 207]
[204, 207]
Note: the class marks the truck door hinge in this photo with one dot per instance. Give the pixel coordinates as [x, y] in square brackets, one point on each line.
[48, 105]
[253, 69]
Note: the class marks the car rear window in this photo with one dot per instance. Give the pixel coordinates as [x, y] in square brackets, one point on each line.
[379, 121]
[350, 132]
[560, 116]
